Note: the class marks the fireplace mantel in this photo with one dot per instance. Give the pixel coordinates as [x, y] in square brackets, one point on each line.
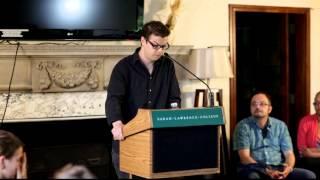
[80, 50]
[62, 81]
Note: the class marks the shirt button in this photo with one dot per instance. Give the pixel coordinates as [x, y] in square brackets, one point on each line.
[150, 90]
[149, 102]
[150, 77]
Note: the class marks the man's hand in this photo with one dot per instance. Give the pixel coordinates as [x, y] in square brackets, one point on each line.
[22, 169]
[286, 171]
[273, 173]
[117, 130]
[276, 174]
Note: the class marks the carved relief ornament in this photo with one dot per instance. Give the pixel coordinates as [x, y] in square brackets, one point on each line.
[65, 77]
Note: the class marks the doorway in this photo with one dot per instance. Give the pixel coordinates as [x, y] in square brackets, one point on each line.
[269, 49]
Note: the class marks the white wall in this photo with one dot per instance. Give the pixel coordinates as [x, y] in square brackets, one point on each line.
[315, 52]
[204, 23]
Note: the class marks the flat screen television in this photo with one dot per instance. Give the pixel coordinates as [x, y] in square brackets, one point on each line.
[71, 19]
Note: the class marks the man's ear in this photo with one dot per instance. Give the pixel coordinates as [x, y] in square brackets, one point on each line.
[270, 109]
[2, 162]
[142, 40]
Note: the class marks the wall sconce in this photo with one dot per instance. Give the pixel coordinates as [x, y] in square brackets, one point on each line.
[212, 62]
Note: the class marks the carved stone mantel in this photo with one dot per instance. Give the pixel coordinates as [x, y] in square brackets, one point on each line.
[80, 50]
[62, 81]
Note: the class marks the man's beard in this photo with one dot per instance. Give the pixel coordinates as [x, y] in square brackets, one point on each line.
[258, 115]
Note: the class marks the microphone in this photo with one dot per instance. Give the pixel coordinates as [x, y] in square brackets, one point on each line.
[210, 92]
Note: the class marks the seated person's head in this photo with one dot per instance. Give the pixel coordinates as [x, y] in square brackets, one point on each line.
[316, 103]
[11, 154]
[70, 171]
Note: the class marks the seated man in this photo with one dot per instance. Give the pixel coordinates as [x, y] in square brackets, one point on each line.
[308, 141]
[264, 145]
[13, 159]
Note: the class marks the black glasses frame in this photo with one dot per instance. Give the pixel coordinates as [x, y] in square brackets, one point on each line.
[157, 46]
[316, 104]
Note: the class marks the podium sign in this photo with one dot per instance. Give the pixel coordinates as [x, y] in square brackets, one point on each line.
[172, 143]
[187, 117]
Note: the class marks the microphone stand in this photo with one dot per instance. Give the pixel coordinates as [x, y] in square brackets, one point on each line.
[211, 97]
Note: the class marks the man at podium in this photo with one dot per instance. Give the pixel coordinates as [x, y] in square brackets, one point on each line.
[145, 79]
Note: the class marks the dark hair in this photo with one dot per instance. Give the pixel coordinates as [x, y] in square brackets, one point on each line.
[315, 97]
[264, 93]
[71, 171]
[156, 28]
[9, 143]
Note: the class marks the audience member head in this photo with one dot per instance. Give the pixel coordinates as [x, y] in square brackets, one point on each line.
[11, 155]
[70, 171]
[316, 103]
[260, 105]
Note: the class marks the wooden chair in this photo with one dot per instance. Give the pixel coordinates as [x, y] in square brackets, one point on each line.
[203, 93]
[197, 99]
[217, 96]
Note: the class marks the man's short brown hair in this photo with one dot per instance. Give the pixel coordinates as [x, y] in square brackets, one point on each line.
[156, 28]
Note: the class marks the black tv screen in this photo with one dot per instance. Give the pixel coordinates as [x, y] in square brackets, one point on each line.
[71, 19]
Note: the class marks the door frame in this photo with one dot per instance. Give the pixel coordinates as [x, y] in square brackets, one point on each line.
[303, 102]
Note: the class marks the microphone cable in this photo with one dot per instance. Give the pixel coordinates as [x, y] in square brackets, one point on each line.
[210, 92]
[10, 82]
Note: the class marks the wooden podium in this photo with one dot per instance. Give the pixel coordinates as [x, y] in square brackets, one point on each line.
[172, 143]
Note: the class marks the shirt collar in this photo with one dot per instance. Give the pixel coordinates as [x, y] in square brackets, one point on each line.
[136, 57]
[269, 122]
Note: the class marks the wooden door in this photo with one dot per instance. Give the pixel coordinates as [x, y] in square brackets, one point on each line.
[279, 56]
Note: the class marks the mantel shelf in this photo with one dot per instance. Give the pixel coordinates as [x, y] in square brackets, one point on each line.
[79, 50]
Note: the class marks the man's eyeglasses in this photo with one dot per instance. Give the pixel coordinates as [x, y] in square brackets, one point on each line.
[254, 104]
[157, 46]
[316, 103]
